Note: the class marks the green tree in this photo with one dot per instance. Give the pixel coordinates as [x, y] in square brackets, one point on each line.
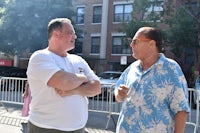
[2, 11]
[143, 15]
[181, 20]
[194, 12]
[2, 8]
[24, 23]
[184, 31]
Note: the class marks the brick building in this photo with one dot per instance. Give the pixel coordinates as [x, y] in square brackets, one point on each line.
[101, 39]
[103, 43]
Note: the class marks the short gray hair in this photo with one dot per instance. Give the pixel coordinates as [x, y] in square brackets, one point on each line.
[56, 23]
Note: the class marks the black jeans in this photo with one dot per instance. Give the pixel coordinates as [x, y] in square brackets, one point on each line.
[34, 129]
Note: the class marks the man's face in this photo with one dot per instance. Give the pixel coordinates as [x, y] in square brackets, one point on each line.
[140, 46]
[68, 37]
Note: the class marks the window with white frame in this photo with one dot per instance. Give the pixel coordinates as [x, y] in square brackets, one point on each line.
[80, 15]
[97, 12]
[123, 12]
[95, 44]
[120, 45]
[154, 12]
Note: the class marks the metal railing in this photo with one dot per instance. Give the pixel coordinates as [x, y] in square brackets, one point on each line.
[105, 102]
[11, 90]
[193, 116]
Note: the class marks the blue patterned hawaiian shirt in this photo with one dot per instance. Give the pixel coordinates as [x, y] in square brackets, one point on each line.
[154, 98]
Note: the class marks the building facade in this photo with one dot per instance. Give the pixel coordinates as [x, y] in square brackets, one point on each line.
[102, 41]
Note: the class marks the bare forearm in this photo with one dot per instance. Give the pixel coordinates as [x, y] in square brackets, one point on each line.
[66, 81]
[180, 120]
[88, 89]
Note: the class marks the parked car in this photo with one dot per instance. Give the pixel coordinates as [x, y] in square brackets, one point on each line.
[12, 72]
[108, 80]
[109, 77]
[11, 84]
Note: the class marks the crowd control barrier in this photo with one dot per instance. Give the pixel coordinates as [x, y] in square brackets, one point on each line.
[11, 91]
[105, 103]
[193, 116]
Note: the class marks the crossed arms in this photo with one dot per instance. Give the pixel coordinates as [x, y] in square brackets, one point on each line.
[74, 84]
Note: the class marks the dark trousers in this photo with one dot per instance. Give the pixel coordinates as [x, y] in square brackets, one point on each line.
[34, 129]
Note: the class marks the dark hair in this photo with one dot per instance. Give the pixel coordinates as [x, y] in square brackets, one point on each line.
[57, 24]
[154, 34]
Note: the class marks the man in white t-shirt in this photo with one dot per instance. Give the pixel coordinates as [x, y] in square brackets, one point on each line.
[60, 84]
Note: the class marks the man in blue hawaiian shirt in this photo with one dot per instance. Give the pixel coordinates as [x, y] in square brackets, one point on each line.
[153, 89]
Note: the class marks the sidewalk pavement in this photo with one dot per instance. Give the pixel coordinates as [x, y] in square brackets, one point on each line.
[12, 122]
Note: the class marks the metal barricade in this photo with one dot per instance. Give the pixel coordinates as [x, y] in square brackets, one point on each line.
[100, 103]
[12, 89]
[105, 102]
[193, 116]
[197, 87]
[115, 107]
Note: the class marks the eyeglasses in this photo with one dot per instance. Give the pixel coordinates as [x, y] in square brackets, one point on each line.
[137, 40]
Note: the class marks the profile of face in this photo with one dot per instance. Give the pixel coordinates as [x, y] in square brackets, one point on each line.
[68, 36]
[140, 45]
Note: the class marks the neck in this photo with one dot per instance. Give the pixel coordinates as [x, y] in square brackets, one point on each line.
[56, 47]
[58, 52]
[149, 61]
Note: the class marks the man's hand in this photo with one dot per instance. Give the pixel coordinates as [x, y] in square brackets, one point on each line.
[63, 93]
[121, 93]
[89, 89]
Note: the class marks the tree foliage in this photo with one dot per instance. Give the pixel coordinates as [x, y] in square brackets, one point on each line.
[24, 23]
[183, 32]
[140, 19]
[181, 20]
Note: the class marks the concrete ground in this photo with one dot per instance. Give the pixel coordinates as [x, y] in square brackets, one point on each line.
[12, 122]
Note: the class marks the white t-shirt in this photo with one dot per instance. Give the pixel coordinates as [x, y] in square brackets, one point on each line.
[47, 108]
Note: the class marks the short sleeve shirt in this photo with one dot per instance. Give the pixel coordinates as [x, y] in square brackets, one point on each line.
[48, 109]
[154, 98]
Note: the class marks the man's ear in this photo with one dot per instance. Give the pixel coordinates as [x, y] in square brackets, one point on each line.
[153, 43]
[56, 33]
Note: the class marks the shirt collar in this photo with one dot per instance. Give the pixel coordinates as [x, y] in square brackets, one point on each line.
[159, 62]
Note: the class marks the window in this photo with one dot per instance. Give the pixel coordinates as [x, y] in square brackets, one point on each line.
[120, 45]
[191, 5]
[80, 15]
[123, 13]
[57, 2]
[95, 47]
[97, 11]
[79, 45]
[154, 12]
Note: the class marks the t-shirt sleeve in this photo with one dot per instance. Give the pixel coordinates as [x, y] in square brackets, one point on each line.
[41, 67]
[87, 70]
